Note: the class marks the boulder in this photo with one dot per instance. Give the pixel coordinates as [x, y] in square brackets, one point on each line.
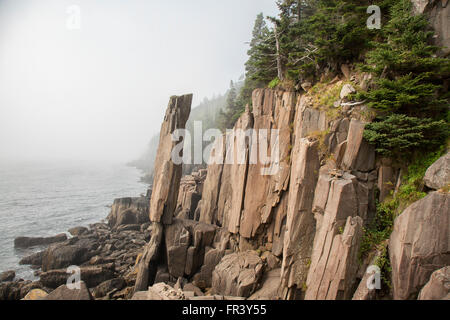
[26, 288]
[92, 276]
[36, 294]
[128, 211]
[7, 276]
[438, 175]
[438, 288]
[270, 285]
[78, 231]
[9, 291]
[65, 255]
[203, 279]
[237, 274]
[189, 287]
[66, 294]
[159, 292]
[420, 244]
[27, 242]
[347, 90]
[106, 287]
[35, 259]
[186, 241]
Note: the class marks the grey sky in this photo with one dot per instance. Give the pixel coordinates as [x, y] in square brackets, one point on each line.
[99, 93]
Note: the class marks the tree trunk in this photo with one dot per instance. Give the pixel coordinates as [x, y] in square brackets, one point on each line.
[279, 63]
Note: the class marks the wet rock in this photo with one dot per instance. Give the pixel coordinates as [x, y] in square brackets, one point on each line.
[65, 255]
[419, 244]
[27, 242]
[92, 276]
[7, 276]
[35, 259]
[78, 231]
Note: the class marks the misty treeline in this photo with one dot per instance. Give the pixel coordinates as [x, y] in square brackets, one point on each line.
[310, 40]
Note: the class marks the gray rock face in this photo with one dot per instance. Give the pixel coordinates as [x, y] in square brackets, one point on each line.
[300, 226]
[420, 244]
[335, 260]
[438, 12]
[238, 274]
[359, 155]
[438, 175]
[27, 242]
[203, 279]
[269, 288]
[438, 288]
[191, 188]
[66, 294]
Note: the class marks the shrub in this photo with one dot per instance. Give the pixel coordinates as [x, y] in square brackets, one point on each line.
[399, 136]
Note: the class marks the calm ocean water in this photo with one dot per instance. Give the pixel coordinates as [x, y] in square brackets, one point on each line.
[47, 199]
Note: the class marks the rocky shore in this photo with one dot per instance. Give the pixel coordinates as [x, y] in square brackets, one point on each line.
[229, 232]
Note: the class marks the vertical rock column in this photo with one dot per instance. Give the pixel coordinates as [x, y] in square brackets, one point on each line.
[166, 183]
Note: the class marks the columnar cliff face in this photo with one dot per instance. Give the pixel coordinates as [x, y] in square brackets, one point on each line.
[326, 179]
[295, 233]
[165, 187]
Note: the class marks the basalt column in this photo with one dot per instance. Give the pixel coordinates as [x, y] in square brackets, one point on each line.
[166, 183]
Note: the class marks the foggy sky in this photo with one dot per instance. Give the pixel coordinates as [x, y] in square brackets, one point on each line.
[100, 93]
